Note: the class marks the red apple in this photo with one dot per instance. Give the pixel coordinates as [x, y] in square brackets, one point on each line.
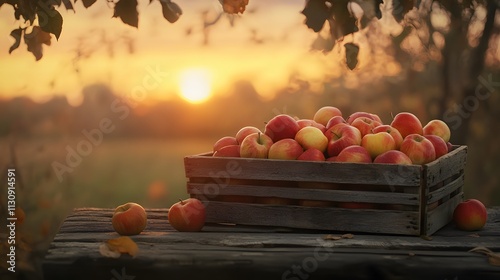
[392, 131]
[187, 215]
[440, 146]
[343, 136]
[225, 141]
[255, 145]
[244, 132]
[285, 149]
[419, 149]
[228, 151]
[311, 137]
[407, 123]
[312, 155]
[378, 143]
[355, 154]
[439, 128]
[307, 122]
[365, 125]
[470, 215]
[281, 127]
[356, 115]
[333, 121]
[324, 114]
[393, 157]
[129, 219]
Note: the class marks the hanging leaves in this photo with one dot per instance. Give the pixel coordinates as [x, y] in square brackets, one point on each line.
[50, 21]
[343, 22]
[126, 10]
[234, 6]
[351, 55]
[316, 12]
[401, 7]
[17, 34]
[171, 11]
[88, 3]
[35, 40]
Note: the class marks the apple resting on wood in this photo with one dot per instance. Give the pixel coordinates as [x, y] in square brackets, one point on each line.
[187, 215]
[129, 219]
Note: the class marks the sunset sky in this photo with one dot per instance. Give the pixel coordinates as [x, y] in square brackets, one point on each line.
[230, 55]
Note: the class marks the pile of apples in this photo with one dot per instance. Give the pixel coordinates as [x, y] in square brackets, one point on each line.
[361, 138]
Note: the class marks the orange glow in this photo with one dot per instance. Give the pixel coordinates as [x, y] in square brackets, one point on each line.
[195, 85]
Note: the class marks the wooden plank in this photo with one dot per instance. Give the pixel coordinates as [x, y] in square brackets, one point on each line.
[302, 193]
[445, 190]
[442, 215]
[301, 171]
[446, 166]
[362, 220]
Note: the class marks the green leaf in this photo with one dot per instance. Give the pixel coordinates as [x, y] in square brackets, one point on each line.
[88, 3]
[316, 12]
[126, 10]
[17, 34]
[50, 21]
[351, 55]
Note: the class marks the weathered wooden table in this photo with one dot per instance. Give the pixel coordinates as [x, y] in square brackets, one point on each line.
[238, 252]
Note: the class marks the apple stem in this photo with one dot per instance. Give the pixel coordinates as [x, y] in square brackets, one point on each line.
[258, 138]
[182, 201]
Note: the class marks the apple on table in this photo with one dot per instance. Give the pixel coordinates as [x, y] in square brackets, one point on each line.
[129, 219]
[470, 215]
[187, 215]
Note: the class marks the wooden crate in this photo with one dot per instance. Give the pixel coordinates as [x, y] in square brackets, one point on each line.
[394, 199]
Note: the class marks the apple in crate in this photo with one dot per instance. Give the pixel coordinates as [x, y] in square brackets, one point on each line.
[365, 125]
[333, 121]
[129, 219]
[342, 136]
[281, 127]
[228, 151]
[440, 147]
[307, 122]
[312, 155]
[187, 215]
[419, 149]
[378, 143]
[470, 215]
[392, 131]
[363, 114]
[255, 145]
[407, 123]
[393, 157]
[285, 149]
[223, 142]
[324, 114]
[439, 128]
[312, 137]
[244, 132]
[354, 154]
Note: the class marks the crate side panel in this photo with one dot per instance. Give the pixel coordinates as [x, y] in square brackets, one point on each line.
[373, 221]
[446, 166]
[445, 190]
[328, 172]
[210, 191]
[442, 215]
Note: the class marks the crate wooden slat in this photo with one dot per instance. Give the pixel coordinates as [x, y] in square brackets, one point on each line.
[396, 199]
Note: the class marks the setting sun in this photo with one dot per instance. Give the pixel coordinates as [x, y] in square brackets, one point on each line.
[195, 85]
